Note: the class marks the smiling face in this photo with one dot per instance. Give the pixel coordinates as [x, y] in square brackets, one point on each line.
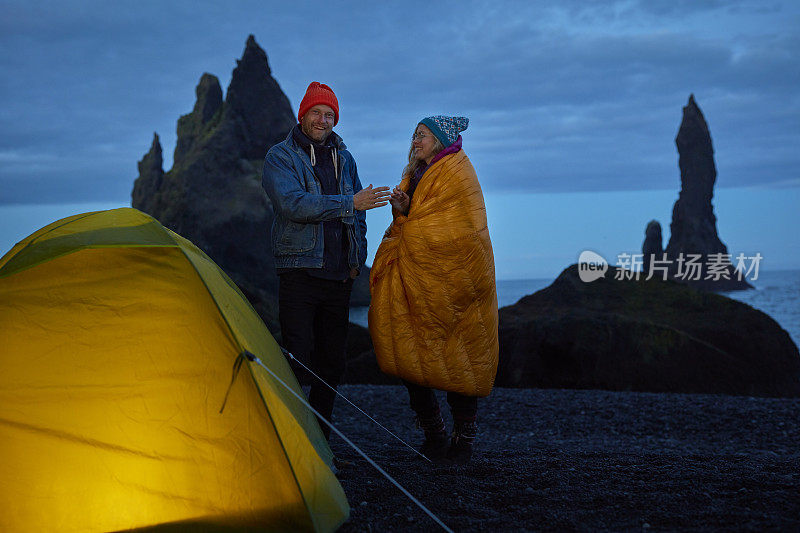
[424, 144]
[317, 123]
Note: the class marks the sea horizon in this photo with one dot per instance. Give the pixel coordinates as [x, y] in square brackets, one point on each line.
[775, 292]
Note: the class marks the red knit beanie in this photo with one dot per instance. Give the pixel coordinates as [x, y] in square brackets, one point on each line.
[316, 94]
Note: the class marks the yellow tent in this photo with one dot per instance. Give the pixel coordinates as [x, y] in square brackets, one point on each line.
[119, 344]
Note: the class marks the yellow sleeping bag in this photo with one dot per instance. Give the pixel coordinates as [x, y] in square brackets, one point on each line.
[433, 317]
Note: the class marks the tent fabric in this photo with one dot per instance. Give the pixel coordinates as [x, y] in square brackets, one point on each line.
[118, 340]
[433, 317]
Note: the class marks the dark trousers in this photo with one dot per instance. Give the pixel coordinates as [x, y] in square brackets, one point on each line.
[424, 403]
[314, 317]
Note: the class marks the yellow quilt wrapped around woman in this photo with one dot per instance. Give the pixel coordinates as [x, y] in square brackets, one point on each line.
[433, 316]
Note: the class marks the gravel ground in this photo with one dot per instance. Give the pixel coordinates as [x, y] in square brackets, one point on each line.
[581, 461]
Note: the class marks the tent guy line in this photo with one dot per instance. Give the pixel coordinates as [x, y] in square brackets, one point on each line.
[350, 443]
[387, 430]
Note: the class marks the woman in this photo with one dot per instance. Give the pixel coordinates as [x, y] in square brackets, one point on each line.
[433, 317]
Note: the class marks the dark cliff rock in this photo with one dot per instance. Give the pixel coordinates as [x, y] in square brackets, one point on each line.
[656, 336]
[652, 247]
[191, 126]
[256, 104]
[213, 194]
[694, 225]
[152, 166]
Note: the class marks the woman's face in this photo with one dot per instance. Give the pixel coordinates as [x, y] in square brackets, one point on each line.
[424, 143]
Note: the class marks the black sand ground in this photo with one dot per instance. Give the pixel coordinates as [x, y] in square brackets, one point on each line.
[559, 460]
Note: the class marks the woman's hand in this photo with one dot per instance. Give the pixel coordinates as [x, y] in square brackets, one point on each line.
[400, 201]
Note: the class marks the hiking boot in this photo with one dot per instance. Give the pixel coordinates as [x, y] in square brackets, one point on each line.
[435, 445]
[461, 442]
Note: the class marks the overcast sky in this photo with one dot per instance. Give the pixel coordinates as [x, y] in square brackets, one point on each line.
[563, 97]
[567, 96]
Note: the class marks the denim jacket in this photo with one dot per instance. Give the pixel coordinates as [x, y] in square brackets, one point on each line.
[300, 207]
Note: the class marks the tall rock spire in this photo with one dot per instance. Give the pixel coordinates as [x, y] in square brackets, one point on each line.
[257, 103]
[192, 125]
[652, 247]
[694, 225]
[151, 176]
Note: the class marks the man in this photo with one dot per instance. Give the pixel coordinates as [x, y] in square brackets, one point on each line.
[318, 238]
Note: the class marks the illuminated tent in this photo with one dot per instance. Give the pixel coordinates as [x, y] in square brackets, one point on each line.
[120, 341]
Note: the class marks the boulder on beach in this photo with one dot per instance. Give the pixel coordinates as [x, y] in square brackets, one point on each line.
[643, 335]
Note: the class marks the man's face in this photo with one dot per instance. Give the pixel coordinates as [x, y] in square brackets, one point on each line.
[317, 123]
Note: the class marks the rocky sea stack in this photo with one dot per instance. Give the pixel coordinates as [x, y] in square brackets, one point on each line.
[212, 195]
[695, 254]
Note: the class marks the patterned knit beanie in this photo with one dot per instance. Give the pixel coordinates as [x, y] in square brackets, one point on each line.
[316, 94]
[446, 129]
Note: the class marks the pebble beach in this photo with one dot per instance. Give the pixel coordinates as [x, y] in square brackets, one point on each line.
[575, 460]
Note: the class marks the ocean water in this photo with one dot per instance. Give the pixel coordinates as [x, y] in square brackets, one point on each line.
[777, 293]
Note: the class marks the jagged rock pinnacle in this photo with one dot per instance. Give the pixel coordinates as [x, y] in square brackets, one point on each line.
[253, 52]
[255, 101]
[209, 97]
[694, 225]
[652, 247]
[151, 175]
[192, 125]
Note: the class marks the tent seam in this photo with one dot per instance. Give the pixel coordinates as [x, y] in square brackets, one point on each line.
[243, 351]
[86, 215]
[79, 217]
[75, 250]
[280, 440]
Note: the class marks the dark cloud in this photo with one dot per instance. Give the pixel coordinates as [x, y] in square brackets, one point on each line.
[580, 96]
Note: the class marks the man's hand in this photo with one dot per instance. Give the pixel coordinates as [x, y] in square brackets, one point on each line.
[400, 201]
[369, 198]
